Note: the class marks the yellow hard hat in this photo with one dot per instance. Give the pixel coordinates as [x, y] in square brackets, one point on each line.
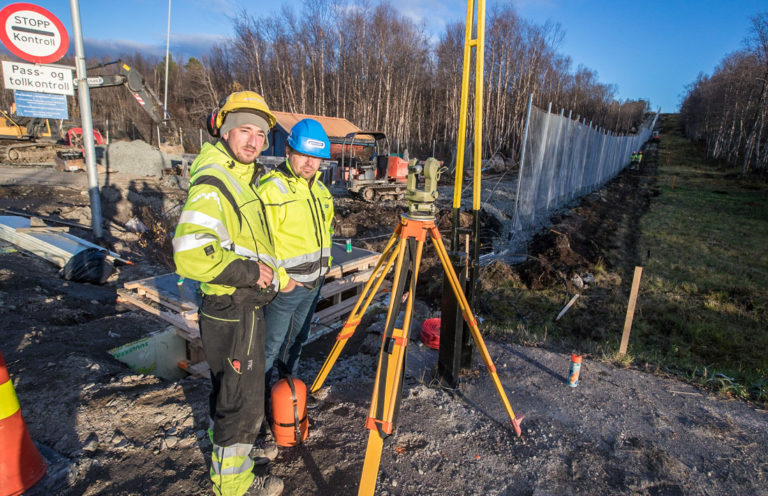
[245, 101]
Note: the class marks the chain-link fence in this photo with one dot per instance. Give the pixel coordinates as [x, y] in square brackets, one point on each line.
[563, 159]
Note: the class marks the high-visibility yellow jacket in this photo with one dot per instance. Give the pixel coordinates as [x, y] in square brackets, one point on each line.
[300, 214]
[222, 231]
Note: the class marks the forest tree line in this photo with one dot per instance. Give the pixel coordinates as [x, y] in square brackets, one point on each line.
[378, 69]
[728, 110]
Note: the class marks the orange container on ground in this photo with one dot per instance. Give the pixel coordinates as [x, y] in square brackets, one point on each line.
[290, 424]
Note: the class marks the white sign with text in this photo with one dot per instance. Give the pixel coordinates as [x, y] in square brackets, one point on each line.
[38, 78]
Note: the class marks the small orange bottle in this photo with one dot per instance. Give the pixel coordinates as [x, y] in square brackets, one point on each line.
[573, 373]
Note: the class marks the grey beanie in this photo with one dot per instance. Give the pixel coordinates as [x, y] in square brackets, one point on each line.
[237, 119]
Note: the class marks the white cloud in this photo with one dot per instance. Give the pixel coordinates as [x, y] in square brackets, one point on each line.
[182, 46]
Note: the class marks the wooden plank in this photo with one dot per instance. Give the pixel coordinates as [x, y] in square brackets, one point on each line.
[42, 229]
[338, 270]
[327, 314]
[126, 297]
[166, 287]
[340, 285]
[169, 300]
[630, 310]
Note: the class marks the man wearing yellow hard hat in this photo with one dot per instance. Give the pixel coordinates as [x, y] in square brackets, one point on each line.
[222, 240]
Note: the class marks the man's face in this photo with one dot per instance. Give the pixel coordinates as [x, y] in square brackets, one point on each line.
[303, 165]
[246, 142]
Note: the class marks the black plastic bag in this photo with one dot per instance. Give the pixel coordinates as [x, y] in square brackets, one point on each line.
[89, 265]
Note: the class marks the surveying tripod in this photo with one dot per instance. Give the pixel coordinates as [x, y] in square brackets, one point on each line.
[405, 254]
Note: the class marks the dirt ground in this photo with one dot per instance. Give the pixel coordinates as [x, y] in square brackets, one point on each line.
[110, 431]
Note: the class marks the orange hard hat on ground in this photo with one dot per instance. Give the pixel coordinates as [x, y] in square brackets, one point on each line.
[430, 333]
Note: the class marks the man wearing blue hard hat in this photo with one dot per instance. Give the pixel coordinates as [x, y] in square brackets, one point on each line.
[299, 211]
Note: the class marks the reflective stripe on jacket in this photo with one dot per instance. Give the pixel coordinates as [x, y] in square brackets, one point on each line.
[223, 230]
[300, 214]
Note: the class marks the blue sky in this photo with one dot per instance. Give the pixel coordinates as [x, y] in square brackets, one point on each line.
[650, 49]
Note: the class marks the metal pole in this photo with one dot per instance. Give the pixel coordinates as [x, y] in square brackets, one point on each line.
[167, 59]
[84, 95]
[522, 159]
[477, 148]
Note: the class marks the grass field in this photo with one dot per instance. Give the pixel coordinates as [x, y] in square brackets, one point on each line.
[705, 290]
[702, 310]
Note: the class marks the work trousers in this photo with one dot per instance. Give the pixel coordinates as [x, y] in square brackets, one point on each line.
[232, 331]
[289, 318]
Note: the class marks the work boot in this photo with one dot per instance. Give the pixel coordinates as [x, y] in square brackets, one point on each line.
[264, 452]
[266, 485]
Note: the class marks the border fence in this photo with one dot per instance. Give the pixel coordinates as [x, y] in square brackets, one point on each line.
[563, 159]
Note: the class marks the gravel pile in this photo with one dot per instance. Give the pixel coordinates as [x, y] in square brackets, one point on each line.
[136, 157]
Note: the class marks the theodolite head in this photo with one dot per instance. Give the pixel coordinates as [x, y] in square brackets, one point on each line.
[421, 203]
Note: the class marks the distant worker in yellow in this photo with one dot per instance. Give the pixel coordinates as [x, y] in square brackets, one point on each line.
[222, 241]
[300, 212]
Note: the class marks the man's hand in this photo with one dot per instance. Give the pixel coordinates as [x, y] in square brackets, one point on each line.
[292, 283]
[265, 276]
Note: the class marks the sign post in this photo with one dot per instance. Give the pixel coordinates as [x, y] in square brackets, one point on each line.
[84, 95]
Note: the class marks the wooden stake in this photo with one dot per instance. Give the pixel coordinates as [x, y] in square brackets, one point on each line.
[674, 180]
[566, 307]
[630, 310]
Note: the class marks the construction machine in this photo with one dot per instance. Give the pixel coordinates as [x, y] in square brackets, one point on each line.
[26, 139]
[133, 80]
[369, 170]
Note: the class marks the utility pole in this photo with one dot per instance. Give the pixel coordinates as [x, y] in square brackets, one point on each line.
[167, 57]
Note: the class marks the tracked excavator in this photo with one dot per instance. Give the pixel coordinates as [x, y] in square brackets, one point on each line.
[369, 170]
[25, 139]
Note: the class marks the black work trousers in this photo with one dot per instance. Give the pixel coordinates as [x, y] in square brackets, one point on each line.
[232, 331]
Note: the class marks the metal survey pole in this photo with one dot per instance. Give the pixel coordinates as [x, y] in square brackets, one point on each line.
[84, 95]
[455, 339]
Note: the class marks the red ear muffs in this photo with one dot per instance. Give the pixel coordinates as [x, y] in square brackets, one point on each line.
[210, 124]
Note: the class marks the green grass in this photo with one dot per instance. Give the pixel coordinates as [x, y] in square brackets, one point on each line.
[704, 296]
[702, 310]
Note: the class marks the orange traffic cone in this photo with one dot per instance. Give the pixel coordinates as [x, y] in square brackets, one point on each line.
[21, 465]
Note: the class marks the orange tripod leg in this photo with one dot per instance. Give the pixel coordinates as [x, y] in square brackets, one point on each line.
[370, 290]
[385, 400]
[472, 323]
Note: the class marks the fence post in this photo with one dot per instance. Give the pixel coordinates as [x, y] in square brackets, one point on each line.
[630, 310]
[522, 160]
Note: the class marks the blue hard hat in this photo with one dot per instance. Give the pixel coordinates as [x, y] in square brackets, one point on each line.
[308, 137]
